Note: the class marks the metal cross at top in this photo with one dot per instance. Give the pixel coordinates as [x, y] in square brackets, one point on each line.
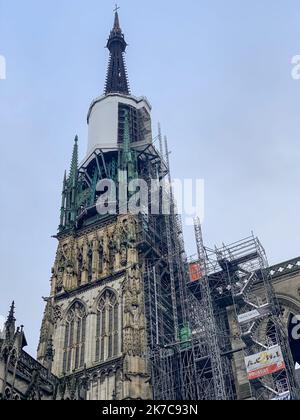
[116, 8]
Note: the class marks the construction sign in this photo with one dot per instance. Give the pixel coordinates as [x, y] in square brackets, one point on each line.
[265, 363]
[195, 272]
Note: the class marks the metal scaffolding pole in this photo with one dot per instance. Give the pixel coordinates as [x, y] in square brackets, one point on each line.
[211, 333]
[170, 243]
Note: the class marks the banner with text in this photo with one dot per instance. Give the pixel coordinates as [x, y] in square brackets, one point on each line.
[265, 363]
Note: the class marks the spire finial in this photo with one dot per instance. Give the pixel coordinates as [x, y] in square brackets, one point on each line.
[116, 80]
[117, 28]
[10, 325]
[11, 315]
[74, 163]
[116, 8]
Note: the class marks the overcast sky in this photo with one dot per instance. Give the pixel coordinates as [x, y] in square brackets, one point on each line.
[218, 74]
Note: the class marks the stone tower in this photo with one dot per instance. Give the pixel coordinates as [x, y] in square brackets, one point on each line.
[116, 289]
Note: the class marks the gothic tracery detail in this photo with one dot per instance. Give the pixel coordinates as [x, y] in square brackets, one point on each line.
[107, 336]
[74, 342]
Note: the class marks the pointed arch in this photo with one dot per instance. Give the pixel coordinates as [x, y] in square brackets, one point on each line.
[75, 336]
[72, 303]
[108, 328]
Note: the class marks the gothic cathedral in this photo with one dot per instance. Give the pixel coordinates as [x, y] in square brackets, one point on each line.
[111, 275]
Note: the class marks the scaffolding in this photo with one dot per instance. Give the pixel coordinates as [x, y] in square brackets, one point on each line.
[246, 276]
[156, 238]
[196, 330]
[194, 368]
[183, 363]
[240, 287]
[208, 319]
[200, 365]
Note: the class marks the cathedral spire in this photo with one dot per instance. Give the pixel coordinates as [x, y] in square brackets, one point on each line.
[63, 202]
[74, 163]
[116, 80]
[11, 316]
[10, 325]
[73, 181]
[117, 27]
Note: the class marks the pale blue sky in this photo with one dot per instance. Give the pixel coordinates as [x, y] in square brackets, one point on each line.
[218, 75]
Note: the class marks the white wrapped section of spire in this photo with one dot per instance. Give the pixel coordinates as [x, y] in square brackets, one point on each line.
[103, 120]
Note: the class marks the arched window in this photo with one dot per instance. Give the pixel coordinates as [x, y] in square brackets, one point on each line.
[107, 339]
[74, 345]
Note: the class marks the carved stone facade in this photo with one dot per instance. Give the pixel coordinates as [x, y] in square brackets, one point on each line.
[125, 375]
[91, 267]
[21, 376]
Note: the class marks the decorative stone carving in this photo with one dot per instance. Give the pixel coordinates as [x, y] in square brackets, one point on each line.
[123, 255]
[134, 319]
[57, 314]
[96, 255]
[111, 255]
